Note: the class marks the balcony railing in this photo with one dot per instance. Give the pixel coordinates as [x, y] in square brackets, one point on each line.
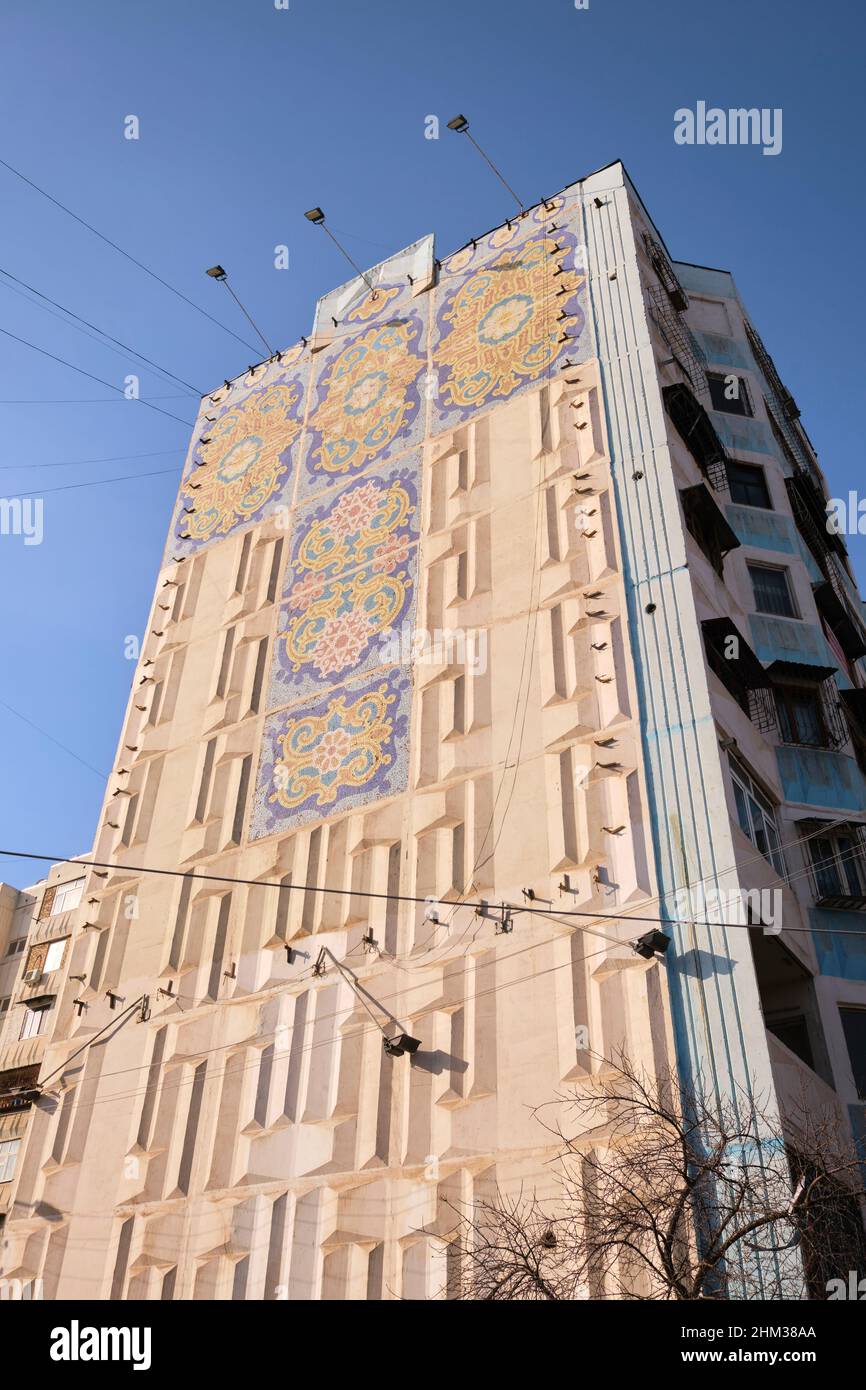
[781, 405]
[731, 658]
[836, 863]
[666, 273]
[685, 349]
[697, 432]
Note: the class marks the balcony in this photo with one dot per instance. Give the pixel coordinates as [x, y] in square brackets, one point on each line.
[836, 862]
[730, 657]
[708, 525]
[684, 347]
[696, 430]
[18, 1089]
[810, 513]
[789, 1003]
[673, 290]
[807, 705]
[831, 602]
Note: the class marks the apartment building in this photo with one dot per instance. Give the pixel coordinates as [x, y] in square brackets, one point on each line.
[504, 597]
[37, 926]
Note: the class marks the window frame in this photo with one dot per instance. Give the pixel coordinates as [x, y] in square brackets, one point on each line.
[59, 903]
[750, 795]
[787, 695]
[744, 398]
[60, 943]
[9, 1151]
[785, 573]
[31, 1023]
[757, 470]
[849, 874]
[859, 1077]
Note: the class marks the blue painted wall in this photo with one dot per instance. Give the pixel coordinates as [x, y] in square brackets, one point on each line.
[841, 956]
[739, 434]
[818, 777]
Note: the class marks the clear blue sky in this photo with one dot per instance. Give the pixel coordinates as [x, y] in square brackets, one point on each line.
[249, 115]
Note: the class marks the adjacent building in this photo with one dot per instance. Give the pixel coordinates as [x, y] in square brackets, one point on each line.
[503, 607]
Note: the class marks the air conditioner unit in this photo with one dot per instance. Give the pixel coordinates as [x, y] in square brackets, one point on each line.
[32, 977]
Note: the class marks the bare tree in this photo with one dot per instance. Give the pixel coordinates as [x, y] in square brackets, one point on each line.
[664, 1193]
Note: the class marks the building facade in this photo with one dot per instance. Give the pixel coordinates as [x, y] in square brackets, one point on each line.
[500, 609]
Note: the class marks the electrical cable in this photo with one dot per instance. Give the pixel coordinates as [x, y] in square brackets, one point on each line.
[23, 717]
[93, 482]
[399, 997]
[80, 463]
[101, 331]
[80, 400]
[372, 896]
[314, 1043]
[90, 1041]
[141, 400]
[532, 610]
[115, 247]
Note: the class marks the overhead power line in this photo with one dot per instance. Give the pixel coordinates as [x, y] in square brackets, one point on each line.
[315, 1043]
[112, 1022]
[623, 916]
[80, 400]
[113, 244]
[92, 482]
[140, 355]
[45, 734]
[79, 463]
[102, 382]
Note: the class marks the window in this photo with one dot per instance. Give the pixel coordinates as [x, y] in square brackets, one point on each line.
[772, 591]
[67, 896]
[756, 817]
[54, 956]
[4, 1007]
[16, 947]
[32, 1023]
[801, 718]
[838, 864]
[8, 1158]
[854, 1027]
[748, 485]
[729, 393]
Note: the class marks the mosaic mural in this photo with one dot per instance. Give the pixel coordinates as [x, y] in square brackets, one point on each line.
[344, 750]
[242, 466]
[334, 431]
[350, 578]
[368, 399]
[509, 308]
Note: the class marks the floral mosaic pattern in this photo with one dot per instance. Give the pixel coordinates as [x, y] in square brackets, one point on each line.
[351, 577]
[344, 750]
[241, 468]
[510, 307]
[368, 397]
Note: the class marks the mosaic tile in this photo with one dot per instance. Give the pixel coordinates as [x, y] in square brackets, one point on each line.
[506, 313]
[367, 403]
[243, 467]
[351, 577]
[335, 754]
